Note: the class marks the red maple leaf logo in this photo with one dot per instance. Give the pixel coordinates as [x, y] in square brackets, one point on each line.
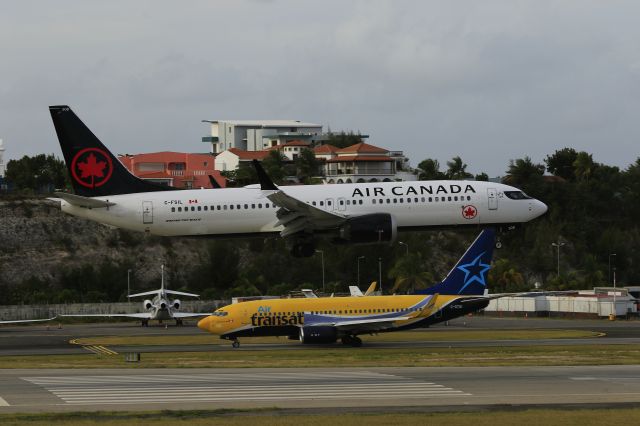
[94, 170]
[469, 212]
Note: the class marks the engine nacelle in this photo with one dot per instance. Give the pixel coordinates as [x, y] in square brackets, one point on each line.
[163, 305]
[147, 304]
[370, 228]
[318, 334]
[176, 304]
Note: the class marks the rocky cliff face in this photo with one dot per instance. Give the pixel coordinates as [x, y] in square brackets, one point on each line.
[37, 240]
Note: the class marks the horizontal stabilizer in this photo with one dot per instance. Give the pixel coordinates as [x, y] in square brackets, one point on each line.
[85, 202]
[27, 321]
[181, 293]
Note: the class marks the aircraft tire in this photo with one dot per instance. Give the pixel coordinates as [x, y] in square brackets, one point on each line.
[235, 344]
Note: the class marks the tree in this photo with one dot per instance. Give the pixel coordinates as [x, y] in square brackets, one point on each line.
[343, 140]
[306, 165]
[409, 274]
[560, 163]
[40, 173]
[457, 169]
[524, 172]
[274, 164]
[429, 169]
[483, 177]
[583, 166]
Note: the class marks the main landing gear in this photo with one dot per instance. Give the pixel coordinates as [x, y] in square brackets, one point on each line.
[178, 322]
[354, 341]
[235, 344]
[144, 323]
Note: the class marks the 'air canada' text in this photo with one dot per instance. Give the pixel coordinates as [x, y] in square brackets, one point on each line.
[377, 191]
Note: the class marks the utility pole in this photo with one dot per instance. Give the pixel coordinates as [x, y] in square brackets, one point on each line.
[609, 276]
[558, 245]
[406, 246]
[380, 273]
[128, 283]
[322, 259]
[358, 280]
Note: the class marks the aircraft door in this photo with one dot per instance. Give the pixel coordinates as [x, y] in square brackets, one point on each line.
[492, 199]
[342, 204]
[329, 205]
[147, 212]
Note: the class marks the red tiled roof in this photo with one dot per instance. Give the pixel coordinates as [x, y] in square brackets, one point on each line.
[348, 158]
[168, 157]
[325, 149]
[361, 148]
[296, 142]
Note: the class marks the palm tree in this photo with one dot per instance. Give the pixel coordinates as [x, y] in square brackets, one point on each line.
[457, 169]
[584, 166]
[409, 274]
[429, 169]
[523, 171]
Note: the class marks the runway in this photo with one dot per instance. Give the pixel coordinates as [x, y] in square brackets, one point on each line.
[51, 340]
[126, 389]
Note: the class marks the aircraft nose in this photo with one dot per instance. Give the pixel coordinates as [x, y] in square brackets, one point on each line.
[542, 207]
[204, 323]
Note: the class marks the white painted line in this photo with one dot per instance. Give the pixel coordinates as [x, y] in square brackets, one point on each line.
[4, 403]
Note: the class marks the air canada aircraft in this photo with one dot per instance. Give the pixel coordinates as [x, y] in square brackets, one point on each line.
[106, 192]
[327, 319]
[160, 308]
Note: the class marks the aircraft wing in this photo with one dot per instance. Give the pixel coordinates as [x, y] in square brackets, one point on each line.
[145, 293]
[141, 315]
[27, 321]
[180, 293]
[297, 216]
[86, 202]
[190, 314]
[341, 323]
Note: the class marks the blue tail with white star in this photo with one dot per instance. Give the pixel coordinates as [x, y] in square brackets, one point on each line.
[469, 276]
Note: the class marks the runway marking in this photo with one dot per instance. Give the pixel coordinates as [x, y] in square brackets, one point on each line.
[4, 403]
[238, 387]
[100, 350]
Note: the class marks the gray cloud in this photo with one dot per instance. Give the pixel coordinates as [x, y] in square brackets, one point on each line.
[489, 81]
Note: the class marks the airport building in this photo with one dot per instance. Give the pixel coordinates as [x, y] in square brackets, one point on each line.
[597, 303]
[257, 135]
[177, 169]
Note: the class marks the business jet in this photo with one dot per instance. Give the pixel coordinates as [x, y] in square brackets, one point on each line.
[160, 307]
[106, 192]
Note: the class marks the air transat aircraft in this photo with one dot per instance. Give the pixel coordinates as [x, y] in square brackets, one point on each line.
[160, 308]
[327, 319]
[106, 192]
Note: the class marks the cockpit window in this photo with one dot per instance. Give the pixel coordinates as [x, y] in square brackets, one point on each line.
[220, 313]
[517, 195]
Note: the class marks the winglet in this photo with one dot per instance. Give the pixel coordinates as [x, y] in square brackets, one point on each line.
[371, 289]
[266, 184]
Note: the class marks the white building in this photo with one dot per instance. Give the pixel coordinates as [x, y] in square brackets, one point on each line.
[256, 135]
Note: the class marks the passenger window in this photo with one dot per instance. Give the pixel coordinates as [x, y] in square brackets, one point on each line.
[373, 201]
[259, 205]
[408, 200]
[341, 202]
[239, 206]
[455, 198]
[416, 199]
[437, 199]
[423, 199]
[449, 198]
[322, 203]
[173, 209]
[193, 209]
[199, 208]
[225, 206]
[388, 201]
[253, 206]
[313, 203]
[360, 201]
[231, 207]
[401, 200]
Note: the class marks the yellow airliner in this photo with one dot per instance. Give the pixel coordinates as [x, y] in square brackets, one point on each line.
[327, 319]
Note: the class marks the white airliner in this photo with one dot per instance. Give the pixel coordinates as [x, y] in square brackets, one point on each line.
[160, 308]
[106, 192]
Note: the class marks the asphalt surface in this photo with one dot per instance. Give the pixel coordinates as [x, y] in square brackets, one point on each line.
[50, 390]
[55, 339]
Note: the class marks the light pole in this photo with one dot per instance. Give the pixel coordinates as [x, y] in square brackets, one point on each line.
[406, 245]
[609, 276]
[128, 284]
[358, 281]
[558, 245]
[322, 259]
[615, 310]
[380, 273]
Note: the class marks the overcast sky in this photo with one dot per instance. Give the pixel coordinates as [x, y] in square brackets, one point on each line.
[487, 80]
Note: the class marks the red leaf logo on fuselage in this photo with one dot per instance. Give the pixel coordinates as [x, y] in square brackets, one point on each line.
[469, 212]
[91, 167]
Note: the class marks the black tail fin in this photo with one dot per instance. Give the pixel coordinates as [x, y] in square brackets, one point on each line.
[93, 170]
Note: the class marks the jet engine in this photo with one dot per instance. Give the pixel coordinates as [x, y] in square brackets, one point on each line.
[147, 304]
[369, 228]
[163, 305]
[176, 304]
[318, 334]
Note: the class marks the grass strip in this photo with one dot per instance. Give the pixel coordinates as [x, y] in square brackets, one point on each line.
[547, 417]
[349, 357]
